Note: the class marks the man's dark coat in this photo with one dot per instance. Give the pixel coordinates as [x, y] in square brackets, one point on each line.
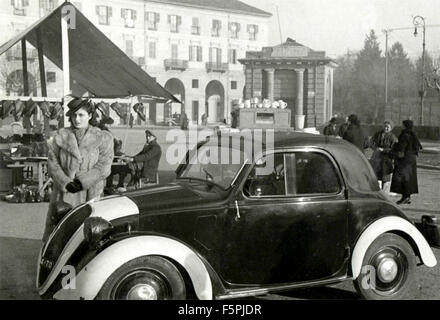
[150, 157]
[355, 135]
[405, 165]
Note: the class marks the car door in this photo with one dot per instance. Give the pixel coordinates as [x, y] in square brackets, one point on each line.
[289, 223]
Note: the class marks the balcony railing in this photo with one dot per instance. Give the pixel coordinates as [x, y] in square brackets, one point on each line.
[175, 64]
[216, 67]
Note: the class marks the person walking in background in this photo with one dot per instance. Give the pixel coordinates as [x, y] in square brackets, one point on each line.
[131, 120]
[204, 120]
[330, 129]
[354, 133]
[184, 121]
[382, 158]
[79, 161]
[406, 150]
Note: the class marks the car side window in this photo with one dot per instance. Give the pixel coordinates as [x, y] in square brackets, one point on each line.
[314, 173]
[292, 174]
[267, 179]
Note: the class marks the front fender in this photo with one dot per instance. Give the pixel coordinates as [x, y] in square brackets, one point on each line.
[93, 276]
[384, 225]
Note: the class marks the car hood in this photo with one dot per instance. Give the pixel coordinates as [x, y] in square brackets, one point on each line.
[172, 196]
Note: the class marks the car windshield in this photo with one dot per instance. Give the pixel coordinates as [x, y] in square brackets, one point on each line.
[214, 164]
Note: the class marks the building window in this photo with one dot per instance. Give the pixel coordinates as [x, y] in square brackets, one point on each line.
[195, 83]
[195, 28]
[233, 85]
[252, 30]
[51, 76]
[19, 7]
[234, 29]
[46, 6]
[129, 16]
[174, 51]
[195, 53]
[215, 55]
[232, 56]
[104, 14]
[152, 50]
[174, 21]
[129, 47]
[153, 19]
[216, 26]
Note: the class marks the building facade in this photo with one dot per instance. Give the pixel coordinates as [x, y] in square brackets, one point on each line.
[296, 74]
[191, 47]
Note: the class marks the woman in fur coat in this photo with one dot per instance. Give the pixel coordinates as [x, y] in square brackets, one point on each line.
[79, 161]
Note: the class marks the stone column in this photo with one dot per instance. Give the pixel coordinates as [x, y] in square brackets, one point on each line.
[299, 114]
[270, 80]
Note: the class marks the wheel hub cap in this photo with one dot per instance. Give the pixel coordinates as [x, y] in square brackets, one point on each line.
[142, 292]
[387, 270]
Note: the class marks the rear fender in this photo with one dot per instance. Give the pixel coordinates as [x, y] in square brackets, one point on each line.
[92, 277]
[384, 225]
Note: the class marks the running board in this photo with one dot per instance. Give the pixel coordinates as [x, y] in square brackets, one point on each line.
[233, 294]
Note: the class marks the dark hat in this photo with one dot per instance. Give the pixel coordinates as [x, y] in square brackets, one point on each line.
[333, 120]
[79, 103]
[408, 124]
[353, 119]
[149, 133]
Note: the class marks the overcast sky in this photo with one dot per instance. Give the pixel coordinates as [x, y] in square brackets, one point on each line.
[338, 25]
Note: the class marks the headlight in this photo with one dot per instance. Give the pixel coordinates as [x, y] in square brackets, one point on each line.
[95, 229]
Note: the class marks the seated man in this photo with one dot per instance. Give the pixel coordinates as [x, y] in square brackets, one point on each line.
[148, 159]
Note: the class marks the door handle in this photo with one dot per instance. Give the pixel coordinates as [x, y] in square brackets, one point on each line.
[237, 216]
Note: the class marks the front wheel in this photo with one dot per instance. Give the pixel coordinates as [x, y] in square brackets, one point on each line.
[388, 269]
[144, 278]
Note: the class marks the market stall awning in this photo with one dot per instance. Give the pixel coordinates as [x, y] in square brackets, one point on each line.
[96, 63]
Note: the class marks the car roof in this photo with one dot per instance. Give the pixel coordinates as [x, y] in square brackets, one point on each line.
[355, 167]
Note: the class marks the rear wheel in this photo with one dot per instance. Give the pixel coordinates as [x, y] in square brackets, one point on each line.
[388, 269]
[145, 278]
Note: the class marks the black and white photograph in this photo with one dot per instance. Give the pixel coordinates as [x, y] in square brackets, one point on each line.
[233, 150]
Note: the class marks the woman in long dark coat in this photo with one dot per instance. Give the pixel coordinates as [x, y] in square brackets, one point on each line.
[406, 151]
[382, 159]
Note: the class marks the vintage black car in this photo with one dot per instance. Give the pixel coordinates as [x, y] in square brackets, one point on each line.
[305, 210]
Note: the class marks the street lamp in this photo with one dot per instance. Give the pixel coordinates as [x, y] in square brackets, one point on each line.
[419, 21]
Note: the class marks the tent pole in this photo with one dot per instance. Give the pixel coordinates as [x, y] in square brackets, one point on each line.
[26, 124]
[66, 63]
[25, 69]
[42, 77]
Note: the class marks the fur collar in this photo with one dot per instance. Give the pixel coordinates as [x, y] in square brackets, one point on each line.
[65, 139]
